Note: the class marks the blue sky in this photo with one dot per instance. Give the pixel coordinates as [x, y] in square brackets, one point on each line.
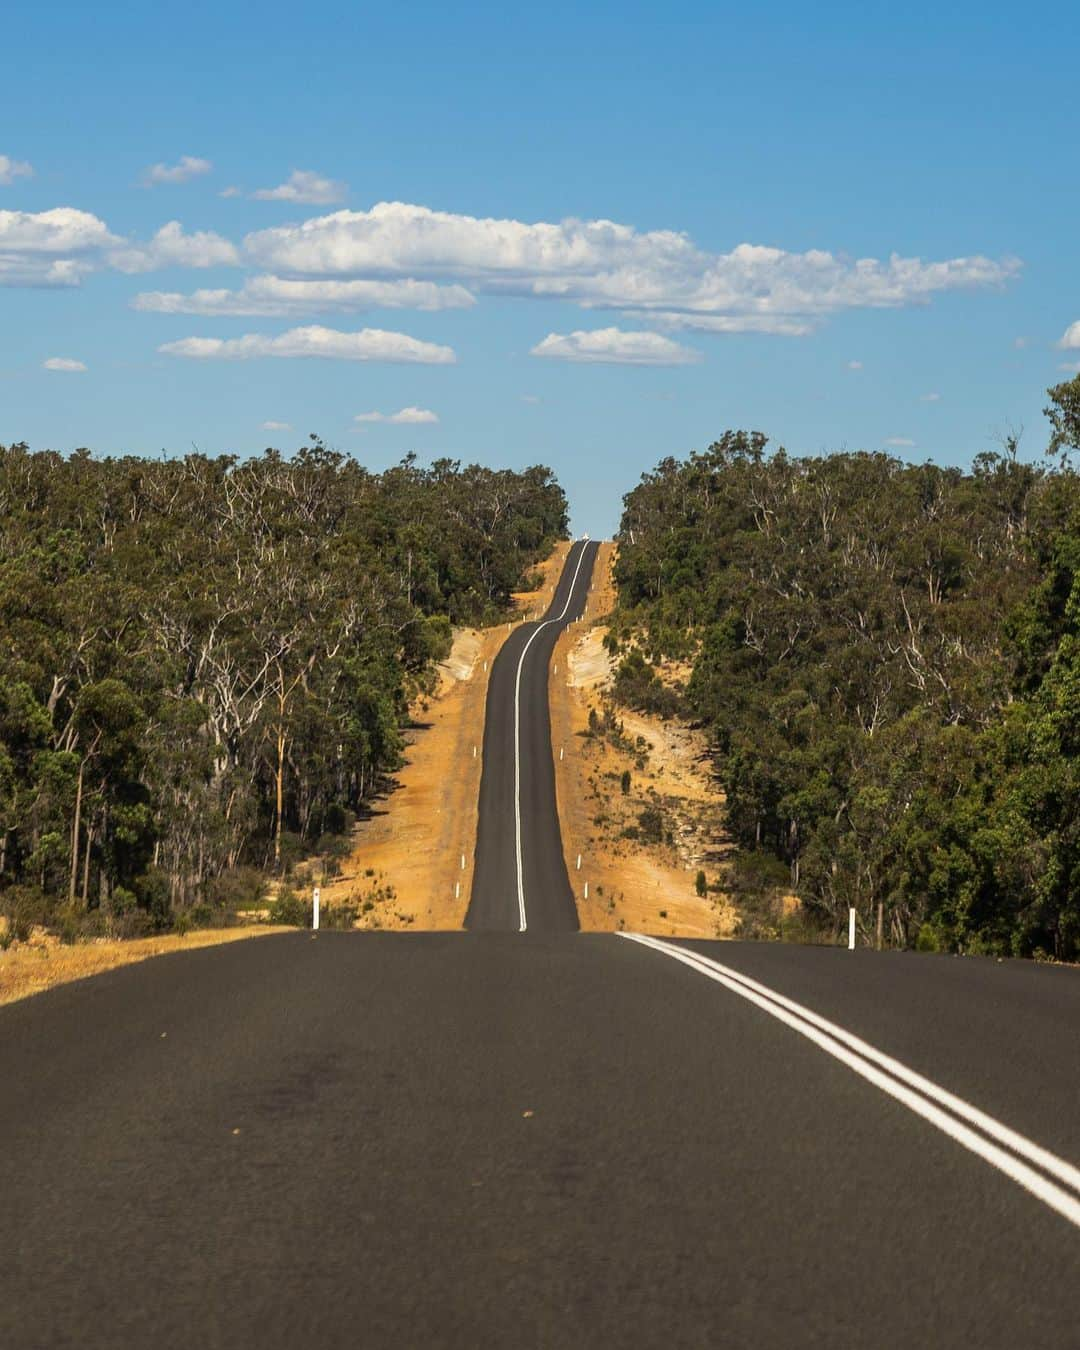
[747, 163]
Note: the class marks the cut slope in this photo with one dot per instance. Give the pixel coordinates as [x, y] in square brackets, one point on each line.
[637, 884]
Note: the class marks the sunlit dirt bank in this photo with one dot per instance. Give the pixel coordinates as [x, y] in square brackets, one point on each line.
[641, 849]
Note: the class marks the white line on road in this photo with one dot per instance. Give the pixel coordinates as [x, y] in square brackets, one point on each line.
[517, 740]
[904, 1085]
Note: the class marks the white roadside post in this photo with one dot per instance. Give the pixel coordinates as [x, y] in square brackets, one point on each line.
[851, 929]
[315, 907]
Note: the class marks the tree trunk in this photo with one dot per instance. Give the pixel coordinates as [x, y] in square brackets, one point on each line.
[86, 868]
[75, 835]
[279, 795]
[880, 925]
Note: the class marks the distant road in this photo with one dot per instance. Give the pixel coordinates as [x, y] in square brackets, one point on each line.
[548, 1139]
[520, 882]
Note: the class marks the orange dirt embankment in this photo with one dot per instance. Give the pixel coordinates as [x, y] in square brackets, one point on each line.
[633, 884]
[405, 868]
[34, 966]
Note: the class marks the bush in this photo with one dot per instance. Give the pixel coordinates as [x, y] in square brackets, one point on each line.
[651, 825]
[701, 884]
[239, 888]
[288, 907]
[23, 907]
[624, 783]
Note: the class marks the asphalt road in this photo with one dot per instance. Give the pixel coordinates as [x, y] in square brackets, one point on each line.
[544, 1139]
[519, 878]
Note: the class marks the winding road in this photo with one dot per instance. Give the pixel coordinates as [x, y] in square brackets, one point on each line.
[541, 1138]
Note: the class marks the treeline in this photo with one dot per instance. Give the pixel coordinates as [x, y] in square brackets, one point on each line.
[887, 659]
[205, 663]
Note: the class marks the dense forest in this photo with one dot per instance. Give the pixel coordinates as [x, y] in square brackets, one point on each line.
[886, 657]
[206, 664]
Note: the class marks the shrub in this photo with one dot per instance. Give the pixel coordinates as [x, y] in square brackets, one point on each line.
[23, 907]
[624, 782]
[288, 907]
[701, 884]
[238, 888]
[651, 825]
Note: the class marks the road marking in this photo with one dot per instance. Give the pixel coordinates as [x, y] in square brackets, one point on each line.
[523, 921]
[904, 1085]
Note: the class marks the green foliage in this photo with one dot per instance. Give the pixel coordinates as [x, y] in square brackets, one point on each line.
[624, 782]
[187, 643]
[701, 884]
[887, 660]
[288, 907]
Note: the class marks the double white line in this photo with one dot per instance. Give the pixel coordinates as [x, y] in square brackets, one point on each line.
[523, 922]
[1036, 1169]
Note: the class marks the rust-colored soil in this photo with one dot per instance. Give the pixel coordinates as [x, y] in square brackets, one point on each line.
[634, 885]
[405, 869]
[31, 967]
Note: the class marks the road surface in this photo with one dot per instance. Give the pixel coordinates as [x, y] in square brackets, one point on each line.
[519, 880]
[539, 1139]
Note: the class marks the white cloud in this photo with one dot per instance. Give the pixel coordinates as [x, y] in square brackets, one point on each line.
[930, 398]
[186, 168]
[659, 275]
[1071, 366]
[900, 442]
[1021, 342]
[50, 248]
[776, 324]
[1071, 337]
[530, 398]
[276, 426]
[369, 344]
[617, 347]
[406, 416]
[231, 191]
[269, 296]
[63, 363]
[61, 246]
[10, 169]
[304, 186]
[171, 247]
[854, 365]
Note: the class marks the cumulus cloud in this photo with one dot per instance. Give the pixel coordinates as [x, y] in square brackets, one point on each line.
[900, 442]
[406, 416]
[276, 426]
[659, 275]
[10, 169]
[50, 248]
[304, 186]
[617, 347]
[1071, 337]
[1073, 367]
[186, 168]
[369, 344]
[63, 363]
[171, 247]
[278, 296]
[930, 398]
[61, 246]
[854, 365]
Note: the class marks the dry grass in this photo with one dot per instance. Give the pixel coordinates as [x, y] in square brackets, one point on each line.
[31, 967]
